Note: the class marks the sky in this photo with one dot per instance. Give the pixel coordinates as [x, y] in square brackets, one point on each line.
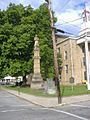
[68, 12]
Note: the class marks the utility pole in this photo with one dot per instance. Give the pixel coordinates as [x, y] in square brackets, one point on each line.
[55, 52]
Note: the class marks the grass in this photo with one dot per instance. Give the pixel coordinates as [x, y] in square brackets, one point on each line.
[28, 90]
[65, 90]
[74, 90]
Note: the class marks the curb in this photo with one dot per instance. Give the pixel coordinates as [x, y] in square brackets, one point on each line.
[38, 104]
[33, 102]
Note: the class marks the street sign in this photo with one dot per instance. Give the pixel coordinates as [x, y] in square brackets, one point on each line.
[72, 80]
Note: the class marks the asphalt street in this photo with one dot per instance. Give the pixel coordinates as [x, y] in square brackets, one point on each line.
[14, 108]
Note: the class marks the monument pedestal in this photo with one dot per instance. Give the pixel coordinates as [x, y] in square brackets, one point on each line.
[37, 82]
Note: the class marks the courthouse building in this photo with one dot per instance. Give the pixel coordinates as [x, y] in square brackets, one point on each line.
[75, 52]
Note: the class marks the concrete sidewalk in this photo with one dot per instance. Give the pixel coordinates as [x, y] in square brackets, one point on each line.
[49, 102]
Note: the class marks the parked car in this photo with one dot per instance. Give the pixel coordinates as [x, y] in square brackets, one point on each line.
[84, 81]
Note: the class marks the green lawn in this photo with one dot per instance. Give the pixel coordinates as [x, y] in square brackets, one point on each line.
[65, 90]
[28, 90]
[74, 90]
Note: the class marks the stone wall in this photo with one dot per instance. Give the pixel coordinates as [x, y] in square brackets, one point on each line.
[74, 60]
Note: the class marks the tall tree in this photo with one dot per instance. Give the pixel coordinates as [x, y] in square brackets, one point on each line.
[19, 25]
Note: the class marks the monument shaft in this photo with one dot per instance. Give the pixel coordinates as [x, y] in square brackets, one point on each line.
[37, 79]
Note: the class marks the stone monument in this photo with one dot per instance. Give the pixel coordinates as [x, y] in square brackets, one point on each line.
[37, 80]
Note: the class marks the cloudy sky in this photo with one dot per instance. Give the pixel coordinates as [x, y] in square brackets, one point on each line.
[68, 12]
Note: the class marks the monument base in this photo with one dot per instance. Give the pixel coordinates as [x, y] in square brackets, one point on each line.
[37, 82]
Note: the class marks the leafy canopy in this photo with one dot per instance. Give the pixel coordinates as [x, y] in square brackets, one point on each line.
[18, 27]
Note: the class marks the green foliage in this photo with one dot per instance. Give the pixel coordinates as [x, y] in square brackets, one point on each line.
[19, 25]
[1, 17]
[47, 61]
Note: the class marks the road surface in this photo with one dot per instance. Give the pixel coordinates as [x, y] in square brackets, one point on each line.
[14, 108]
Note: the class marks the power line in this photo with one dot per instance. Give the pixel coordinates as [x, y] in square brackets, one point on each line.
[70, 24]
[70, 33]
[67, 23]
[62, 31]
[61, 9]
[71, 21]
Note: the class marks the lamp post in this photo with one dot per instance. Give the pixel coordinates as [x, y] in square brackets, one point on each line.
[55, 52]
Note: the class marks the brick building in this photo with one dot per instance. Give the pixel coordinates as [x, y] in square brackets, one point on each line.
[75, 52]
